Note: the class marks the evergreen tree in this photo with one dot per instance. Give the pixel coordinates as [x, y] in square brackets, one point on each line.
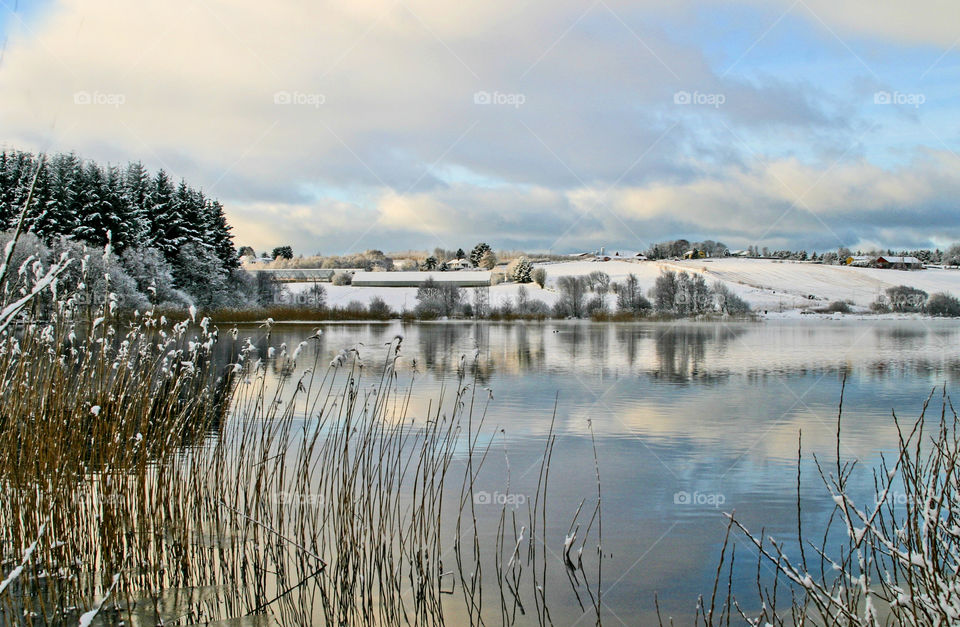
[163, 219]
[476, 255]
[136, 197]
[218, 235]
[94, 207]
[149, 216]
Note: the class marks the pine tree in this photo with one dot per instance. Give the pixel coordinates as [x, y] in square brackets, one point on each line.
[163, 220]
[94, 207]
[218, 235]
[116, 216]
[60, 215]
[81, 200]
[136, 197]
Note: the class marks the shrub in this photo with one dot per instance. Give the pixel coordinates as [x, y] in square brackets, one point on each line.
[539, 276]
[379, 308]
[596, 306]
[355, 307]
[488, 261]
[102, 274]
[438, 299]
[838, 306]
[941, 304]
[906, 299]
[728, 302]
[342, 278]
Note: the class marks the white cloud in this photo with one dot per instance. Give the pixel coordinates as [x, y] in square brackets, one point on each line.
[257, 102]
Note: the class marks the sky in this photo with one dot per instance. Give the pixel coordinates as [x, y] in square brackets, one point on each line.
[557, 126]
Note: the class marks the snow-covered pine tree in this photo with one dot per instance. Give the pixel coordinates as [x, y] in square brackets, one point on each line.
[94, 207]
[59, 213]
[163, 220]
[218, 235]
[18, 173]
[136, 197]
[116, 216]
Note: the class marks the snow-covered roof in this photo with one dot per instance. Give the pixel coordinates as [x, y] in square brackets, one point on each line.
[414, 279]
[899, 259]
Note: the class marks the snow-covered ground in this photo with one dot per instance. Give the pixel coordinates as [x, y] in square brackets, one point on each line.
[771, 286]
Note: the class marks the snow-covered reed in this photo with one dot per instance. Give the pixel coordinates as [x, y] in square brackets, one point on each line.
[893, 560]
[150, 473]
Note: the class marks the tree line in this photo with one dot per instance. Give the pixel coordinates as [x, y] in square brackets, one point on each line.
[169, 237]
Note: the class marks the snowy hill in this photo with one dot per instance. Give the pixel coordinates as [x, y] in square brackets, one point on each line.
[769, 285]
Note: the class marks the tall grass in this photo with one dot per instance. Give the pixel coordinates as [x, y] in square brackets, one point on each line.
[145, 477]
[892, 561]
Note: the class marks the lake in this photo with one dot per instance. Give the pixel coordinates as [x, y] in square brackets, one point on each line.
[689, 420]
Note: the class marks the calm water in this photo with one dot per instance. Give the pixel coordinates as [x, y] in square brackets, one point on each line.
[690, 421]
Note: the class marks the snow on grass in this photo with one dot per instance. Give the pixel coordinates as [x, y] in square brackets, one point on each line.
[778, 287]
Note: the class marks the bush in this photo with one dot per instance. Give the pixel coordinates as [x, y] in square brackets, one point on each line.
[355, 307]
[596, 306]
[837, 306]
[100, 273]
[941, 304]
[728, 302]
[488, 261]
[539, 276]
[379, 308]
[906, 299]
[437, 299]
[342, 278]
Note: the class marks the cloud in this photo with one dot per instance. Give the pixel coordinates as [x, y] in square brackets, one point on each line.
[777, 204]
[435, 122]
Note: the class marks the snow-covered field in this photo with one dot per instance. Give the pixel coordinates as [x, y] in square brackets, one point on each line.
[771, 286]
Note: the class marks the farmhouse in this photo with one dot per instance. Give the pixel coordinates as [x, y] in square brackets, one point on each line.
[459, 264]
[415, 279]
[860, 261]
[904, 263]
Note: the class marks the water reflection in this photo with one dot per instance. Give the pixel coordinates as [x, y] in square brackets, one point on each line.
[699, 409]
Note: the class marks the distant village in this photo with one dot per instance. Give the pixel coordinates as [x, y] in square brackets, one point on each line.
[482, 266]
